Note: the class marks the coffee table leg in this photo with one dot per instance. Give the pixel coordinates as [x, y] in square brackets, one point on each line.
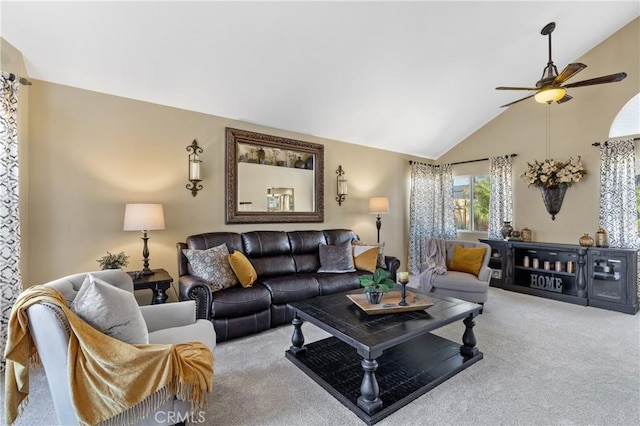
[468, 347]
[369, 399]
[297, 339]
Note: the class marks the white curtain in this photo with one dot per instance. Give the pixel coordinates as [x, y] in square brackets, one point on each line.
[501, 195]
[10, 280]
[618, 198]
[431, 210]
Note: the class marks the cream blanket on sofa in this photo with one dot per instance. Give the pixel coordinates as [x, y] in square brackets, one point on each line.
[113, 381]
[435, 263]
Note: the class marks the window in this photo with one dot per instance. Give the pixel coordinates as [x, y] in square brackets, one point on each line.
[471, 202]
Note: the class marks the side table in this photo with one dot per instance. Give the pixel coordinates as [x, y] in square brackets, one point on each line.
[158, 282]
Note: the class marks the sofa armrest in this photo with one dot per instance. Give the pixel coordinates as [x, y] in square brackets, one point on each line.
[168, 315]
[393, 264]
[193, 288]
[485, 274]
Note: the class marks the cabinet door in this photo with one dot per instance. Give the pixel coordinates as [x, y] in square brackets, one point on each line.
[607, 276]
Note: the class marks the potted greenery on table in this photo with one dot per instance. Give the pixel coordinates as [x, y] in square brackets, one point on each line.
[376, 285]
[113, 261]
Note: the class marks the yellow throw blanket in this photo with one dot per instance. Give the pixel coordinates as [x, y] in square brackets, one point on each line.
[109, 379]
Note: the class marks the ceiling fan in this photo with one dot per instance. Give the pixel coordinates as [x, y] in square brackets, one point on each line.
[550, 87]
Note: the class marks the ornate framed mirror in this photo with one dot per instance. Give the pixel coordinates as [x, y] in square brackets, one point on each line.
[270, 179]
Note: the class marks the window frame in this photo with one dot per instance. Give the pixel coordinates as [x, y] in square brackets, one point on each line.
[471, 178]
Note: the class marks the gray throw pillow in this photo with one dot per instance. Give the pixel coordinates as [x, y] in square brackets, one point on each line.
[337, 258]
[212, 265]
[110, 310]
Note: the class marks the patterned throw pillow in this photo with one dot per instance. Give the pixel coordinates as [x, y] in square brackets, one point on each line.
[110, 310]
[381, 262]
[365, 258]
[337, 258]
[212, 265]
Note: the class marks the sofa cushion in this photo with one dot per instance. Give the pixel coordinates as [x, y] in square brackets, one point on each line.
[239, 301]
[212, 265]
[304, 247]
[266, 243]
[291, 288]
[461, 281]
[335, 283]
[110, 310]
[467, 259]
[365, 258]
[336, 258]
[339, 236]
[242, 267]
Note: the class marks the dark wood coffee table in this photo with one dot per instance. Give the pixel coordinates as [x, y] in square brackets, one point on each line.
[376, 364]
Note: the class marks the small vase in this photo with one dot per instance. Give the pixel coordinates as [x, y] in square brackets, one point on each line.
[375, 297]
[526, 234]
[602, 238]
[586, 240]
[506, 230]
[553, 197]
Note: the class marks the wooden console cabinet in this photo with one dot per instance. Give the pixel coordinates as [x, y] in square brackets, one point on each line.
[600, 277]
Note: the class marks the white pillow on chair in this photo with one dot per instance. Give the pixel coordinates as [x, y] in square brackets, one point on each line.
[113, 311]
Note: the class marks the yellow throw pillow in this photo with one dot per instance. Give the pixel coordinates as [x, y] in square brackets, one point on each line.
[467, 259]
[365, 258]
[243, 269]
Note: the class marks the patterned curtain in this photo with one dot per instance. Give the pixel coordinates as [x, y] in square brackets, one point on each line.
[618, 198]
[431, 210]
[10, 280]
[501, 196]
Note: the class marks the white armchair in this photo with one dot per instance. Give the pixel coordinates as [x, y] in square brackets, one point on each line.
[167, 324]
[463, 285]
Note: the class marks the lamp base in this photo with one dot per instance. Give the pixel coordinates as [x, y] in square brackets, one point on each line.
[147, 271]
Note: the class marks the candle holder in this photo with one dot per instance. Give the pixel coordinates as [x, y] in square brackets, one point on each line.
[403, 279]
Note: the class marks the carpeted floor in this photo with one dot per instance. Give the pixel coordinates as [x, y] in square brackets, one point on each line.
[545, 363]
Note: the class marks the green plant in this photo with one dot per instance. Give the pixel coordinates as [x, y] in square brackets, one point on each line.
[113, 261]
[378, 282]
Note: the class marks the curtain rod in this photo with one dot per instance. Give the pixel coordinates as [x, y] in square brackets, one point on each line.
[22, 80]
[463, 162]
[606, 142]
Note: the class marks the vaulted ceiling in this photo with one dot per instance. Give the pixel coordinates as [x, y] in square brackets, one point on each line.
[409, 77]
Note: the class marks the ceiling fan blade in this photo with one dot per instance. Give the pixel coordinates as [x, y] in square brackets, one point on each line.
[515, 102]
[612, 78]
[565, 98]
[568, 72]
[516, 88]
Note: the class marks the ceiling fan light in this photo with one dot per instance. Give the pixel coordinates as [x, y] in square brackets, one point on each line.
[547, 96]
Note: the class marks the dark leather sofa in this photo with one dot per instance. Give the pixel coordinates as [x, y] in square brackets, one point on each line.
[286, 264]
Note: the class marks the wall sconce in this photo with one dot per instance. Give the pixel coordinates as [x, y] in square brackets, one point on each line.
[194, 168]
[342, 186]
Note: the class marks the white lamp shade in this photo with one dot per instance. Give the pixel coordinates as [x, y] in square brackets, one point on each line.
[143, 217]
[379, 205]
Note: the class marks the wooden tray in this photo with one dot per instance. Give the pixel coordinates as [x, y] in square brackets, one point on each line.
[389, 305]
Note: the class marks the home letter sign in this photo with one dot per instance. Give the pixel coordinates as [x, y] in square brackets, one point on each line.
[546, 283]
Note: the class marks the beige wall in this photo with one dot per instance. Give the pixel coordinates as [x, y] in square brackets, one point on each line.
[92, 153]
[575, 125]
[11, 61]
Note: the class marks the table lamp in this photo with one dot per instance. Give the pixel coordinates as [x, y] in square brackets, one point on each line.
[145, 218]
[379, 205]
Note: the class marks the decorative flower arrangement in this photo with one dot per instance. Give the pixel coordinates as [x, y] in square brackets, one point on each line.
[552, 172]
